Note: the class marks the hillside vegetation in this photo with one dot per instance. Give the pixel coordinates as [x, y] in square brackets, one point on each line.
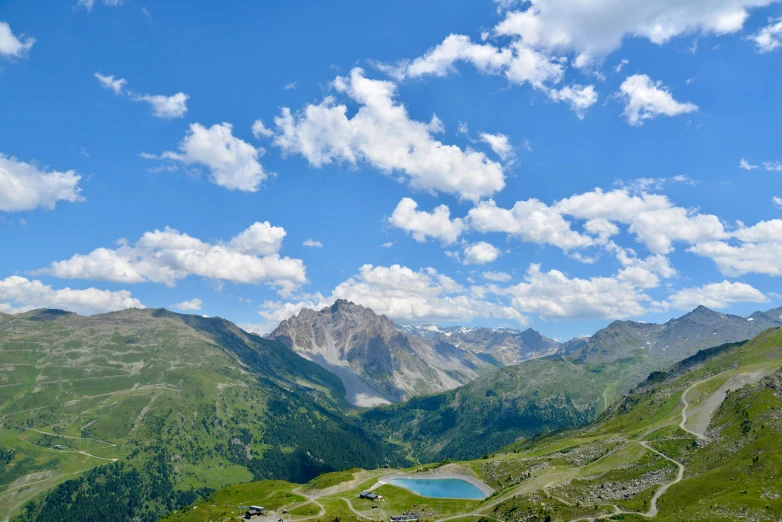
[542, 395]
[697, 441]
[211, 404]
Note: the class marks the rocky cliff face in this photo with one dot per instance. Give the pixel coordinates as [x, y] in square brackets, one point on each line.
[375, 360]
[380, 362]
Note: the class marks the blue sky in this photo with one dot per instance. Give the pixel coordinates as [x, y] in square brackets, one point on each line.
[162, 154]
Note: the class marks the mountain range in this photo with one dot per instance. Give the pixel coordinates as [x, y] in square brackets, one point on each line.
[568, 388]
[175, 405]
[698, 440]
[380, 362]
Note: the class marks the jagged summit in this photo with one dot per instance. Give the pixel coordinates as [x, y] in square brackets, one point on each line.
[376, 362]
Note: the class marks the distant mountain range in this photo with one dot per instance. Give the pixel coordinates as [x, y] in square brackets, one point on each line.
[673, 340]
[499, 346]
[568, 388]
[381, 362]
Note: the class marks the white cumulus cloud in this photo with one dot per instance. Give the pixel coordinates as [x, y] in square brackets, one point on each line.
[12, 46]
[499, 143]
[531, 221]
[554, 295]
[595, 28]
[480, 253]
[382, 135]
[716, 295]
[25, 186]
[167, 256]
[312, 243]
[645, 99]
[422, 225]
[166, 107]
[769, 38]
[232, 162]
[18, 294]
[578, 97]
[189, 306]
[439, 60]
[497, 277]
[174, 106]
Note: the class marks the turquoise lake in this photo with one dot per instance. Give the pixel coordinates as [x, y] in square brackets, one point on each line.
[440, 488]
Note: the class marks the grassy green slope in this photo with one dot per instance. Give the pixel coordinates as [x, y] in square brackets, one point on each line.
[620, 462]
[534, 397]
[219, 405]
[623, 465]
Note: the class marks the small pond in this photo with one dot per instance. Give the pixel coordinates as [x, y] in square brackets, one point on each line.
[440, 487]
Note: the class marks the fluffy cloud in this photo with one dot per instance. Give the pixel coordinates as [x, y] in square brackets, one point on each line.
[260, 130]
[716, 295]
[553, 295]
[480, 253]
[654, 219]
[497, 277]
[533, 67]
[382, 135]
[578, 97]
[189, 306]
[540, 31]
[24, 186]
[167, 107]
[439, 60]
[531, 221]
[312, 243]
[404, 295]
[436, 224]
[500, 144]
[769, 38]
[642, 273]
[259, 239]
[168, 256]
[763, 258]
[116, 85]
[658, 223]
[758, 250]
[12, 46]
[777, 201]
[595, 28]
[646, 99]
[518, 62]
[755, 249]
[18, 294]
[232, 163]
